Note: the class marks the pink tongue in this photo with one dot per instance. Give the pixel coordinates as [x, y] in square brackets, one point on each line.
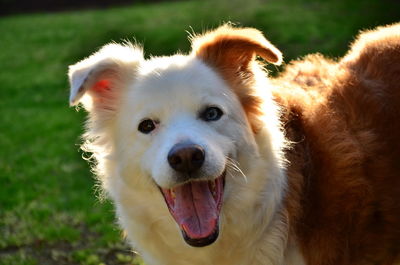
[195, 209]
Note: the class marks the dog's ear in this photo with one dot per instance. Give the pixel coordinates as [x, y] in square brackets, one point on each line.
[233, 49]
[232, 52]
[97, 80]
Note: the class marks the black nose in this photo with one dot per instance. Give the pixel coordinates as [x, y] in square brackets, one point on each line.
[186, 157]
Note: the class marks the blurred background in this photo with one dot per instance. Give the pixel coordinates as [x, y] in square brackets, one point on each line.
[49, 212]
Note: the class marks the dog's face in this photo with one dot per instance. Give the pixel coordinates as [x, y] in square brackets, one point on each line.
[184, 118]
[176, 122]
[185, 126]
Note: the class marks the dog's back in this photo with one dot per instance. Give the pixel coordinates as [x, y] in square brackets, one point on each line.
[344, 176]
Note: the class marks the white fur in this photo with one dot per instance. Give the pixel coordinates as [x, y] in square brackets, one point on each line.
[173, 90]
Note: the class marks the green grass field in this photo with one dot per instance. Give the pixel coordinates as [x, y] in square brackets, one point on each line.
[49, 213]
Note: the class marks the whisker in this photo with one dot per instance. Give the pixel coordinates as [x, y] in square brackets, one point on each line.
[231, 175]
[234, 165]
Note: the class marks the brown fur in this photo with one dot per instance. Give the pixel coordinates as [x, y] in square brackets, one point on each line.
[343, 199]
[231, 51]
[344, 171]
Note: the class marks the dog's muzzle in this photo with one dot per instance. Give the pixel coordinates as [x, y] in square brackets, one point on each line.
[196, 204]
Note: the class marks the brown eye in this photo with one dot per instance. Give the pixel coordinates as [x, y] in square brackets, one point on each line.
[211, 114]
[146, 126]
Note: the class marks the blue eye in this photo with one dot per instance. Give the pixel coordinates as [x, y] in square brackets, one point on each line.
[211, 114]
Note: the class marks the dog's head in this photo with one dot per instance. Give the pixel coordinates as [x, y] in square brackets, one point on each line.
[180, 121]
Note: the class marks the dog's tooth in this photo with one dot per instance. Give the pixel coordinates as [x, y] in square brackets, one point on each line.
[212, 186]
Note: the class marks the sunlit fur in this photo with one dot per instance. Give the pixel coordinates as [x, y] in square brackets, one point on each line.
[279, 141]
[343, 178]
[173, 90]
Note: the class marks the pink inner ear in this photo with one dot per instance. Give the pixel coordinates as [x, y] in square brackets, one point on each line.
[101, 86]
[102, 95]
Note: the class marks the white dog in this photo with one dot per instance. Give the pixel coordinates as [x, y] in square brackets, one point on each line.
[192, 151]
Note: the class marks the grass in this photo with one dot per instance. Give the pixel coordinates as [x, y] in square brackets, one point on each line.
[49, 213]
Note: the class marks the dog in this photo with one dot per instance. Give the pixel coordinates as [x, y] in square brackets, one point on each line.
[208, 161]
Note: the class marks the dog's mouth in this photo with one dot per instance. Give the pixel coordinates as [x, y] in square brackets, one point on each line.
[196, 206]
